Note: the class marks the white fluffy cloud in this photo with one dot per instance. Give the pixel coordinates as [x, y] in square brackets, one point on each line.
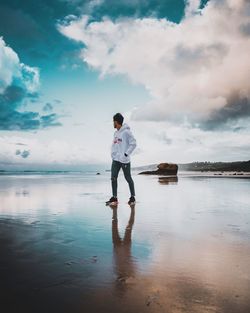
[8, 65]
[192, 7]
[12, 70]
[190, 69]
[19, 84]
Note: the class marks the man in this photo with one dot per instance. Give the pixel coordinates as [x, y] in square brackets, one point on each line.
[123, 145]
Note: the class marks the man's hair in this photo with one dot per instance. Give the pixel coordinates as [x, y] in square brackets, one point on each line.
[119, 118]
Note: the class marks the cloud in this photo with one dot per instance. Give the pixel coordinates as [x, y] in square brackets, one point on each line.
[38, 151]
[164, 138]
[19, 83]
[192, 7]
[9, 66]
[20, 144]
[191, 69]
[163, 141]
[237, 107]
[13, 72]
[92, 4]
[57, 101]
[24, 154]
[245, 29]
[48, 107]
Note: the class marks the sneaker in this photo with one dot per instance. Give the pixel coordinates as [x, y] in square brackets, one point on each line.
[112, 201]
[131, 200]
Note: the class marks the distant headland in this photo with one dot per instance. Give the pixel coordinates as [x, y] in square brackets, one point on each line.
[239, 166]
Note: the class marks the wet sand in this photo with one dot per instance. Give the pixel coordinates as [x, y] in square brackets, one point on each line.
[184, 246]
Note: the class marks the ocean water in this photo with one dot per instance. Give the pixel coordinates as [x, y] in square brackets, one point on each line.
[184, 246]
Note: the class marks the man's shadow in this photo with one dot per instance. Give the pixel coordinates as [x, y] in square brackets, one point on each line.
[124, 265]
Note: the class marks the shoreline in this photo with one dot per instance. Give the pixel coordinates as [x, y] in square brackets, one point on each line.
[219, 174]
[135, 171]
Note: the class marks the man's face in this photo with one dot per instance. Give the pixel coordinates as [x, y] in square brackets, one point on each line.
[115, 124]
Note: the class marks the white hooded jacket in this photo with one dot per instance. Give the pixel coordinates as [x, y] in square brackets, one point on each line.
[123, 142]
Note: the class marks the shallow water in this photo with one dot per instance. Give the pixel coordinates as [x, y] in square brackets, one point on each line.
[184, 247]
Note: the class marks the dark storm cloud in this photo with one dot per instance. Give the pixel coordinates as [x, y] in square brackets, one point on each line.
[11, 119]
[237, 107]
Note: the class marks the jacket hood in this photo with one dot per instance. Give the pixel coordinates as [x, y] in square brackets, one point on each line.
[124, 126]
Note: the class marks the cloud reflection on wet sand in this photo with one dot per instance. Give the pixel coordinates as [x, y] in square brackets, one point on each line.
[184, 247]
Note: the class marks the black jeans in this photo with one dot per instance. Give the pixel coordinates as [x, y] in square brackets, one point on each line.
[115, 168]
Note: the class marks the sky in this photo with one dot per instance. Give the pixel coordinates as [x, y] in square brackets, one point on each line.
[178, 70]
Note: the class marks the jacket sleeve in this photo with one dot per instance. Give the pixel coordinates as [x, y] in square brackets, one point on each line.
[131, 142]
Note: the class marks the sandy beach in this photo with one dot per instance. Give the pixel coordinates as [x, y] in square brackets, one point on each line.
[184, 246]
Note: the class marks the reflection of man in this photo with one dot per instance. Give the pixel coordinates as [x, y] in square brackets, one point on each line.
[124, 265]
